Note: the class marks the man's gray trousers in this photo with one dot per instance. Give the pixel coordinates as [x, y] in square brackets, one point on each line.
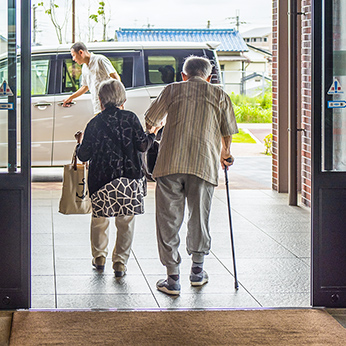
[171, 193]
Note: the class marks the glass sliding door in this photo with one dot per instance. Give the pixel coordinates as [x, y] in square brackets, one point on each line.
[15, 119]
[334, 85]
[329, 153]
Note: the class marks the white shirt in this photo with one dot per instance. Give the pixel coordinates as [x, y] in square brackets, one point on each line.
[97, 71]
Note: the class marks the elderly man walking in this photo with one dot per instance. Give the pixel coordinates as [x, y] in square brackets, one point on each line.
[199, 126]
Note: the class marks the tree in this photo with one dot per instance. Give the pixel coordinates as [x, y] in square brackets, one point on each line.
[101, 16]
[92, 21]
[53, 17]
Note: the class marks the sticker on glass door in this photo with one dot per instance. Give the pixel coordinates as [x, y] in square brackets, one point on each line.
[335, 88]
[336, 104]
[5, 90]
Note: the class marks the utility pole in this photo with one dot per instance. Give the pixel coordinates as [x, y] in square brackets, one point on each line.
[237, 23]
[149, 26]
[208, 24]
[73, 22]
[237, 20]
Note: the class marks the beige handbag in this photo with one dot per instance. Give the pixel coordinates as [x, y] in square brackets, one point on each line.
[75, 197]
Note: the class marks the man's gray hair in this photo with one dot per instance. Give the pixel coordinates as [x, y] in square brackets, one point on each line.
[197, 66]
[112, 93]
[79, 46]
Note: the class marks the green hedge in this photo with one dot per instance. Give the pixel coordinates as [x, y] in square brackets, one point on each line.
[252, 109]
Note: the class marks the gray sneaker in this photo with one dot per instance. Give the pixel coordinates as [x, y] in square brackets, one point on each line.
[165, 287]
[198, 276]
[119, 269]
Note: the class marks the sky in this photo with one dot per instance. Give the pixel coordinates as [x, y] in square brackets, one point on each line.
[146, 13]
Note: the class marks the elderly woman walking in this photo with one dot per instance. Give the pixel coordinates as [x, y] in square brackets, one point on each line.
[112, 143]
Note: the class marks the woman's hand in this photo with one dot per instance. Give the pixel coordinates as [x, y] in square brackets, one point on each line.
[155, 130]
[79, 136]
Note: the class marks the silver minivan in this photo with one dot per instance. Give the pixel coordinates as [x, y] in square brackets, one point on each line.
[145, 68]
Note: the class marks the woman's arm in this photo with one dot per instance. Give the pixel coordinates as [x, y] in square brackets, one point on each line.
[143, 139]
[84, 147]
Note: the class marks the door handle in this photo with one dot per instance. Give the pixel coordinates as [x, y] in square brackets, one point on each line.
[42, 104]
[70, 103]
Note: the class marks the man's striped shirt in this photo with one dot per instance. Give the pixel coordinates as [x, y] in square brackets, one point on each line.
[198, 115]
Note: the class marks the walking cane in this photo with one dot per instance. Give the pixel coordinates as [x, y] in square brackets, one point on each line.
[236, 286]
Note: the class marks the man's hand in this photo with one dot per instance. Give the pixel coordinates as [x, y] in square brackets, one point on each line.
[82, 90]
[79, 136]
[67, 102]
[225, 154]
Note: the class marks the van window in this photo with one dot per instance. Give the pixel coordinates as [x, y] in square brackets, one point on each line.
[4, 74]
[162, 69]
[72, 72]
[39, 76]
[3, 70]
[71, 76]
[124, 67]
[164, 66]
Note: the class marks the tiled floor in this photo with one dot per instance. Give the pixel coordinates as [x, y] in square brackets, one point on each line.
[272, 243]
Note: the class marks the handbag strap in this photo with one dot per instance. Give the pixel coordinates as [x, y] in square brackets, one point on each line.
[74, 159]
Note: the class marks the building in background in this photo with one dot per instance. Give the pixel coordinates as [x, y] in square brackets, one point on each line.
[258, 71]
[244, 70]
[259, 37]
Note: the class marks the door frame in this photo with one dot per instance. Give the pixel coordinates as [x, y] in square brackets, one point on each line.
[328, 271]
[15, 184]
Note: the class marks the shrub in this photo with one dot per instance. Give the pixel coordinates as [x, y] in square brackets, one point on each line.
[252, 109]
[268, 142]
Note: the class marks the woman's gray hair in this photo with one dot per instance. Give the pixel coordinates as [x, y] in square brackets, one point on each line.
[112, 93]
[197, 66]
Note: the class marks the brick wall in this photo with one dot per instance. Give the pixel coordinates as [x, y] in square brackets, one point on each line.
[275, 96]
[305, 97]
[306, 102]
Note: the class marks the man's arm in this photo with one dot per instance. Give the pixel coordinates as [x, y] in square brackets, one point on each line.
[226, 151]
[157, 111]
[115, 75]
[82, 90]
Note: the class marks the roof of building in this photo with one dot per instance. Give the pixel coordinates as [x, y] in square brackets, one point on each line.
[258, 32]
[254, 55]
[261, 50]
[230, 40]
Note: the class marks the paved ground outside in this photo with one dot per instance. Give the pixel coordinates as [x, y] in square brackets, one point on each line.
[272, 246]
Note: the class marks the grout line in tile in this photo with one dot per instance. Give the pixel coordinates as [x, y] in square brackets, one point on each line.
[239, 283]
[145, 278]
[54, 261]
